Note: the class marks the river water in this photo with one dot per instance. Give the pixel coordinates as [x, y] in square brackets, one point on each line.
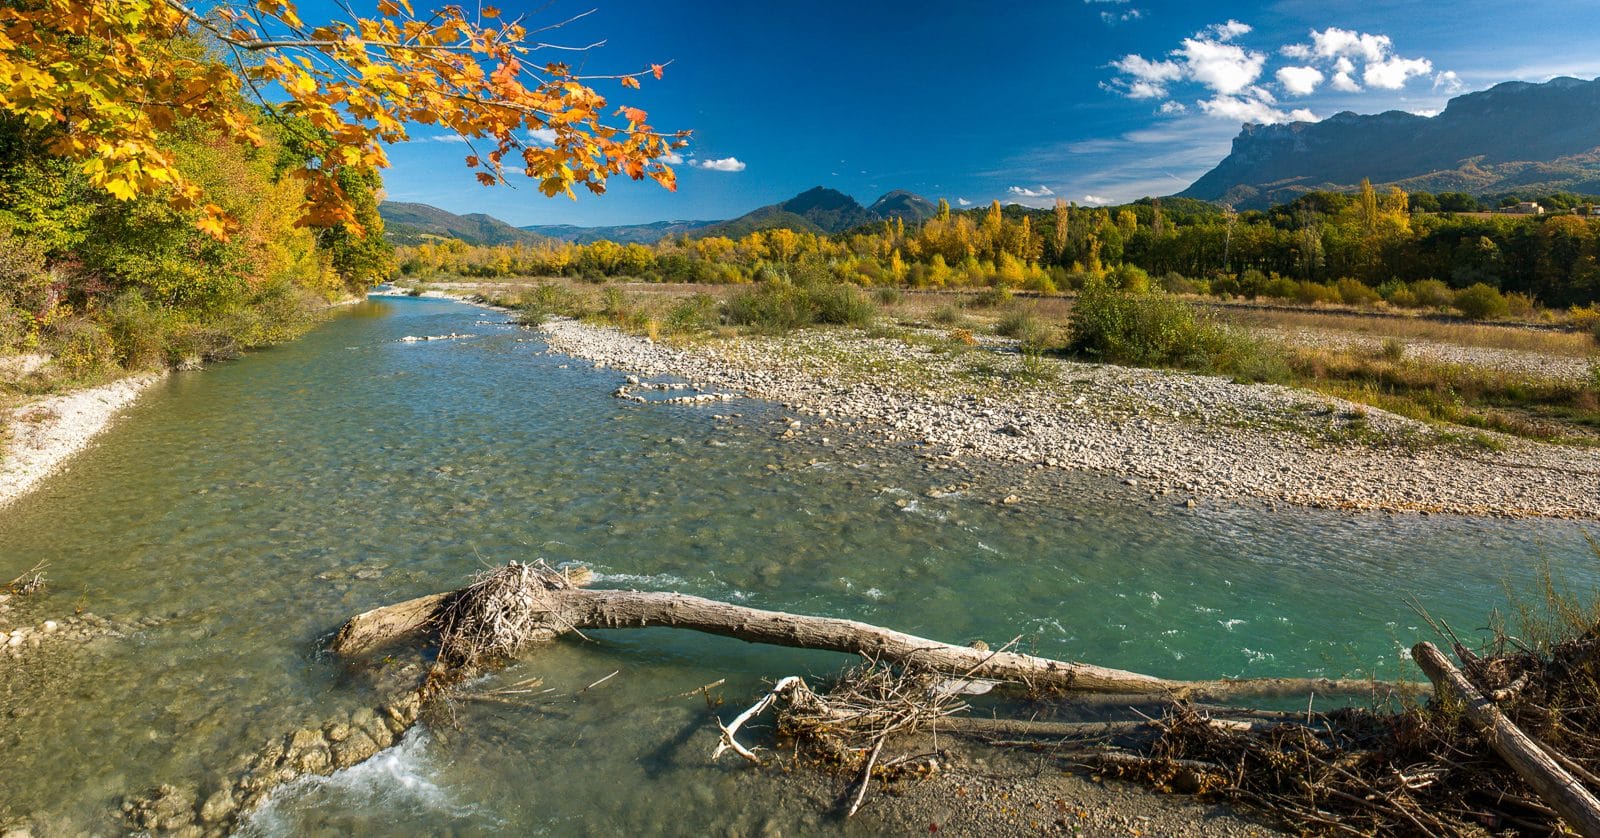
[256, 505]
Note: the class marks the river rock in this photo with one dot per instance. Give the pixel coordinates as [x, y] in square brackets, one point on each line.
[218, 807]
[336, 732]
[357, 748]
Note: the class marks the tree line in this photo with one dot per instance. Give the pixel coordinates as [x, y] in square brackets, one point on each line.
[1324, 247]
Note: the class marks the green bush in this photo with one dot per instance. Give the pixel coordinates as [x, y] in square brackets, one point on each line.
[1481, 302]
[696, 314]
[780, 306]
[1156, 330]
[1356, 293]
[840, 304]
[1431, 293]
[1023, 325]
[948, 315]
[887, 295]
[990, 298]
[1311, 293]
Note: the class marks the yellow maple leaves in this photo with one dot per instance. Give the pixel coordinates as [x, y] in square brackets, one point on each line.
[108, 78]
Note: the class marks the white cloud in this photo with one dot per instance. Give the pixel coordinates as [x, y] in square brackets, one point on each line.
[1300, 52]
[1300, 81]
[726, 164]
[963, 202]
[1391, 74]
[1095, 200]
[1449, 82]
[1174, 108]
[1241, 109]
[543, 136]
[1334, 42]
[1228, 31]
[1427, 112]
[1114, 18]
[1146, 79]
[1303, 115]
[1024, 192]
[672, 158]
[1223, 67]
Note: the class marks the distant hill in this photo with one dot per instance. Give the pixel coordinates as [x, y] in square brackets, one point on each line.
[622, 234]
[823, 210]
[817, 210]
[1513, 137]
[408, 223]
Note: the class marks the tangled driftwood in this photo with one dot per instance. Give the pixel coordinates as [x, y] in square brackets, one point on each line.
[1454, 766]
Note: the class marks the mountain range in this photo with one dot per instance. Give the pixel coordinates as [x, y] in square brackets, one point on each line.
[1515, 137]
[816, 210]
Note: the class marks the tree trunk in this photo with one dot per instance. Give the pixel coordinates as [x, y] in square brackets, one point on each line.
[1576, 804]
[567, 608]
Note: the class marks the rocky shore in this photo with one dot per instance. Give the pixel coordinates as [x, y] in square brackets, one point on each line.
[1187, 437]
[43, 434]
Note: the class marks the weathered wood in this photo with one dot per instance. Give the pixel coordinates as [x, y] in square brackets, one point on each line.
[1569, 798]
[567, 609]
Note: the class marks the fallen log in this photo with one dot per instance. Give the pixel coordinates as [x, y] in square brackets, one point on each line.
[550, 603]
[1569, 798]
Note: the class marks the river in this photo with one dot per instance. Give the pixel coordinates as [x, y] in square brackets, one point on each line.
[257, 504]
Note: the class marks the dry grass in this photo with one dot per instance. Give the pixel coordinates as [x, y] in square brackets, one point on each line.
[1485, 335]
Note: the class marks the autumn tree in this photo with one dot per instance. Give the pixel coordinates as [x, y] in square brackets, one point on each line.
[103, 81]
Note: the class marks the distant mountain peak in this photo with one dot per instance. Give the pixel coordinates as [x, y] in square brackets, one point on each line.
[1515, 136]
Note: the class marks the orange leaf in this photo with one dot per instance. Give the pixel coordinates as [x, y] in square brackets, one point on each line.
[656, 69]
[630, 81]
[486, 179]
[635, 115]
[472, 161]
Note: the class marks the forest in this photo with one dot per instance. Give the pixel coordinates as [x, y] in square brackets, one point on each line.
[1359, 249]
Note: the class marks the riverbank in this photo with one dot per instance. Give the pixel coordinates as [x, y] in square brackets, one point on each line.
[1191, 438]
[43, 434]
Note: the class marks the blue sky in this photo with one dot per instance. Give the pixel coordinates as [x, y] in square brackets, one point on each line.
[1090, 100]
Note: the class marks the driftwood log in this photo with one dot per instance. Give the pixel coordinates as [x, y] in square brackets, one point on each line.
[1555, 785]
[562, 606]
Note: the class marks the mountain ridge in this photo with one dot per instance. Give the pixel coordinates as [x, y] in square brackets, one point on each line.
[1513, 136]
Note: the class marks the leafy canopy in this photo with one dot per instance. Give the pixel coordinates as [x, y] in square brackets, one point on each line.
[105, 78]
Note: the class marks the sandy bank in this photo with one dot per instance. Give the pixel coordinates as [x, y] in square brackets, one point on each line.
[44, 434]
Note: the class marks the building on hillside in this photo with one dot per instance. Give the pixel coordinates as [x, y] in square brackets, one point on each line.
[1586, 210]
[1524, 208]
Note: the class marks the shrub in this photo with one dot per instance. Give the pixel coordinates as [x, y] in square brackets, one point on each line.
[81, 348]
[1158, 330]
[1176, 283]
[1393, 349]
[1521, 305]
[1431, 293]
[1130, 278]
[1023, 325]
[990, 298]
[695, 314]
[1481, 302]
[1281, 287]
[948, 315]
[888, 295]
[1357, 293]
[781, 306]
[1311, 293]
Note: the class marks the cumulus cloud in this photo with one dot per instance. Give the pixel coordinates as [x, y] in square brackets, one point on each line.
[1339, 49]
[1170, 107]
[1300, 81]
[1024, 192]
[1146, 79]
[1228, 31]
[1334, 42]
[1449, 82]
[725, 164]
[1242, 109]
[672, 158]
[1225, 68]
[963, 202]
[1392, 73]
[1114, 18]
[1095, 200]
[543, 136]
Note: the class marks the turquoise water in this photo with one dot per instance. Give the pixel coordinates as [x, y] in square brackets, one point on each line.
[258, 504]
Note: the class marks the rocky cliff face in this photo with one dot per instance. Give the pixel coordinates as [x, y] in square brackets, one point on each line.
[1512, 136]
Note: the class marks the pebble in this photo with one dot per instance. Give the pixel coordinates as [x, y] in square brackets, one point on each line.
[1205, 436]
